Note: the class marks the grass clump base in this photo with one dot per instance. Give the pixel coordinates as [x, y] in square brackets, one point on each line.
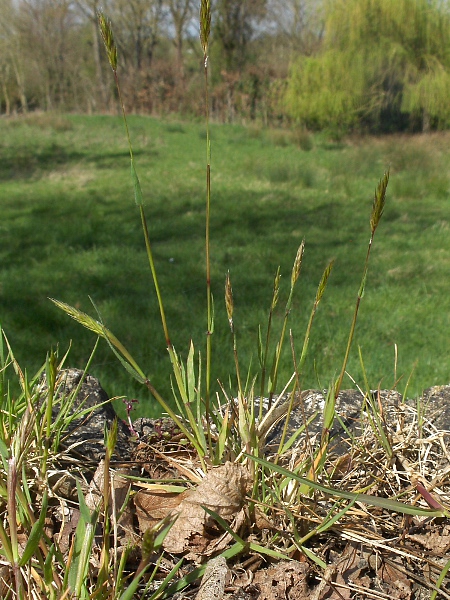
[362, 514]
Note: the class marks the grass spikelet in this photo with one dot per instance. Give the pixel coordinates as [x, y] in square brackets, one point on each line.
[297, 264]
[81, 317]
[205, 24]
[294, 277]
[108, 40]
[323, 283]
[379, 202]
[229, 300]
[276, 290]
[377, 211]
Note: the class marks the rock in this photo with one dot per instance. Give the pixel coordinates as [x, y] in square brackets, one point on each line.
[435, 402]
[85, 435]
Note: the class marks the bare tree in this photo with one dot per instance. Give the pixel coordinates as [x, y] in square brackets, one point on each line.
[12, 76]
[138, 24]
[181, 14]
[236, 22]
[49, 40]
[299, 24]
[90, 9]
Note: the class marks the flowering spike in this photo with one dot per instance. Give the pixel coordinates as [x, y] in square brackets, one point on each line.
[229, 300]
[297, 264]
[205, 24]
[379, 202]
[108, 40]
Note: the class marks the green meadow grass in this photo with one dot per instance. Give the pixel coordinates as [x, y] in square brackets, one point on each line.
[70, 229]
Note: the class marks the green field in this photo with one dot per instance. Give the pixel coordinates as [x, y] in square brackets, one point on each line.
[70, 229]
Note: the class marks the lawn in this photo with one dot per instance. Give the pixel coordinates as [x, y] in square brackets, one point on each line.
[70, 230]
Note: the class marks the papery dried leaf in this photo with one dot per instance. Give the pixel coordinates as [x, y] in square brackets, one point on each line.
[332, 586]
[434, 542]
[94, 496]
[119, 487]
[349, 566]
[396, 584]
[152, 506]
[223, 490]
[284, 580]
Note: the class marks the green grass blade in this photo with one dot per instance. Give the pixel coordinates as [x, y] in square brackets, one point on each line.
[440, 580]
[268, 552]
[224, 525]
[6, 547]
[136, 185]
[197, 573]
[385, 503]
[35, 534]
[160, 591]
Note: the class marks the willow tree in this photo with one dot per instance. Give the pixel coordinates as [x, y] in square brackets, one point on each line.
[381, 63]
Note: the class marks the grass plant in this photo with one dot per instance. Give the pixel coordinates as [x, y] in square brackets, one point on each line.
[300, 491]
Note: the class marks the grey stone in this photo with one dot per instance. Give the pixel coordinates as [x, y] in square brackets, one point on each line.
[85, 435]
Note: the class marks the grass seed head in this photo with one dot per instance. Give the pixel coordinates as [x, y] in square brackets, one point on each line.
[229, 300]
[108, 40]
[379, 202]
[205, 24]
[297, 264]
[323, 282]
[81, 317]
[276, 289]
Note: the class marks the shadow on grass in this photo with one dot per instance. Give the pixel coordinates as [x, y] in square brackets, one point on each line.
[27, 162]
[103, 256]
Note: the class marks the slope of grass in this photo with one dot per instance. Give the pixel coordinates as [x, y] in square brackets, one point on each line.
[70, 229]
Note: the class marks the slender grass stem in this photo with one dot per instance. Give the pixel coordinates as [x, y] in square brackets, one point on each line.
[205, 29]
[209, 301]
[294, 277]
[275, 296]
[111, 49]
[155, 278]
[377, 211]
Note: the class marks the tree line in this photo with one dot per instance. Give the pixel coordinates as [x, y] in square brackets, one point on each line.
[371, 65]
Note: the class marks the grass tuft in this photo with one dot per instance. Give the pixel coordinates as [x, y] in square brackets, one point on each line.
[236, 496]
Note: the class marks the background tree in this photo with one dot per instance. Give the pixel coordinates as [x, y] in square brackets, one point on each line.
[137, 26]
[12, 72]
[182, 14]
[383, 64]
[48, 34]
[376, 65]
[236, 24]
[296, 25]
[89, 10]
